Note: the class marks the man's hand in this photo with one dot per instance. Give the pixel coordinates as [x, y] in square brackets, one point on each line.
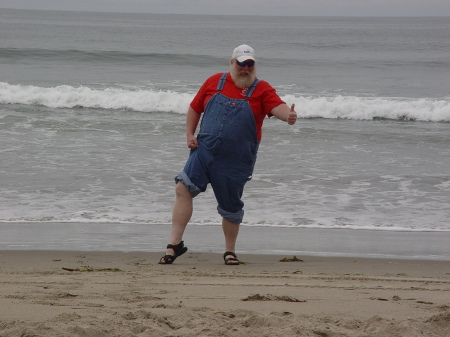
[192, 119]
[292, 117]
[192, 142]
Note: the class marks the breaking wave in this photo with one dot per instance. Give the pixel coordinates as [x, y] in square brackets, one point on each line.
[151, 100]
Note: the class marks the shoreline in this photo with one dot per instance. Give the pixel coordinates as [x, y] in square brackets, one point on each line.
[78, 293]
[414, 245]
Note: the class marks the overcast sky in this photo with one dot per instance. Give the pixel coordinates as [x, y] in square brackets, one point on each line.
[248, 7]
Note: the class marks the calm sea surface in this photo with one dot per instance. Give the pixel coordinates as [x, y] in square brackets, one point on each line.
[92, 109]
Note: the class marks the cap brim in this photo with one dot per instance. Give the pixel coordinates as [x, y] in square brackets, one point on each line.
[245, 58]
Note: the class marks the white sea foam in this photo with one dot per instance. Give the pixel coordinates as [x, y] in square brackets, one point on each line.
[66, 96]
[363, 108]
[348, 107]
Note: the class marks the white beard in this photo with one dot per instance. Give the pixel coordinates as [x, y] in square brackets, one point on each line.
[242, 79]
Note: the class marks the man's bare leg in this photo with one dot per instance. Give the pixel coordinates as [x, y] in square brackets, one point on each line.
[231, 231]
[181, 214]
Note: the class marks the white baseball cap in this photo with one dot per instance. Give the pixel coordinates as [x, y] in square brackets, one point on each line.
[243, 53]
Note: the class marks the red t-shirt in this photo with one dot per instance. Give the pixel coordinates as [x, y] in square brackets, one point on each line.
[263, 99]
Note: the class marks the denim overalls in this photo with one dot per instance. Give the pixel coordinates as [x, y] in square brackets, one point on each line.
[226, 153]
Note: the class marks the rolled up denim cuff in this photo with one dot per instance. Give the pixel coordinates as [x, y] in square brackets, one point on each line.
[182, 176]
[235, 218]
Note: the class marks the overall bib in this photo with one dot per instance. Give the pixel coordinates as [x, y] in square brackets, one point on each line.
[226, 153]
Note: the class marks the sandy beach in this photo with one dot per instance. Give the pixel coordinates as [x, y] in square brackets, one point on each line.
[96, 294]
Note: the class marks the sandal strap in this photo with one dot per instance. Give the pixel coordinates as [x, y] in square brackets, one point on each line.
[229, 253]
[168, 259]
[176, 248]
[234, 257]
[230, 259]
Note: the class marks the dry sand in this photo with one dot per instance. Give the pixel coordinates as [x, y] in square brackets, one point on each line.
[128, 294]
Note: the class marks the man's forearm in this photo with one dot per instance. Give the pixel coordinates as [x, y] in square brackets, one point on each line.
[192, 120]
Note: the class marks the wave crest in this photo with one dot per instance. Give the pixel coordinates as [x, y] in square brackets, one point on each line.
[150, 100]
[66, 96]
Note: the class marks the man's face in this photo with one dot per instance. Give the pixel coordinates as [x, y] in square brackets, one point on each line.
[243, 73]
[245, 68]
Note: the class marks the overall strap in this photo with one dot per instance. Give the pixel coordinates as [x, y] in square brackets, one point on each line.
[222, 81]
[251, 89]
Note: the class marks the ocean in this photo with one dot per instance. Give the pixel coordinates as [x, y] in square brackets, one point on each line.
[92, 113]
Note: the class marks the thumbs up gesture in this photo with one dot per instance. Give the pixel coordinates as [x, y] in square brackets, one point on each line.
[292, 116]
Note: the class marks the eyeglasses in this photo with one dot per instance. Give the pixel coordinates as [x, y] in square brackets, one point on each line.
[249, 63]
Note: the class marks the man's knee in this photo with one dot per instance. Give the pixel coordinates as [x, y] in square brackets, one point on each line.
[182, 191]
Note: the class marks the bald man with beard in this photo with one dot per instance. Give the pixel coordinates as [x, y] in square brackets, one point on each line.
[223, 154]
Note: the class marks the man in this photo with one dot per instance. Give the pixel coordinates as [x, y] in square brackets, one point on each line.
[223, 154]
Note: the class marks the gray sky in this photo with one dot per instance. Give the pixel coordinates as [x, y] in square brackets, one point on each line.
[247, 7]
